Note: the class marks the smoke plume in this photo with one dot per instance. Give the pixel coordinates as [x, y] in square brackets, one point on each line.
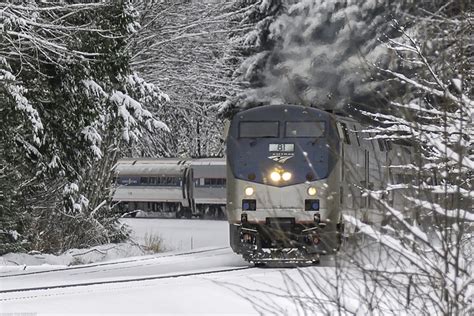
[325, 54]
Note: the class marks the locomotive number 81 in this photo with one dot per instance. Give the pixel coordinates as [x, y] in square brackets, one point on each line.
[283, 184]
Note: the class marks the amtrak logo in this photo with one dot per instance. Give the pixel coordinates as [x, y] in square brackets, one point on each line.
[280, 158]
[281, 152]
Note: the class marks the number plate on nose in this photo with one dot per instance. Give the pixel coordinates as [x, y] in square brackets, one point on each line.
[284, 148]
[281, 152]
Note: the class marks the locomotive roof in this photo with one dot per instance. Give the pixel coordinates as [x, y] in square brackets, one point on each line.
[259, 112]
[281, 111]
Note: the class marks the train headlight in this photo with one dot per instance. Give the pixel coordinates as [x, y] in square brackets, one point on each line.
[275, 176]
[312, 191]
[249, 191]
[286, 176]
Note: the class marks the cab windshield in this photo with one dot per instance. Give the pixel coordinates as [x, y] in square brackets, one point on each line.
[258, 129]
[305, 129]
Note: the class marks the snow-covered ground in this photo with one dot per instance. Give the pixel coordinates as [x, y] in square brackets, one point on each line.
[181, 234]
[232, 292]
[174, 234]
[207, 279]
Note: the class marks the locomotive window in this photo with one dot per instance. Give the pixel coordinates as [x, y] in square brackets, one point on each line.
[346, 133]
[357, 135]
[305, 129]
[258, 129]
[381, 144]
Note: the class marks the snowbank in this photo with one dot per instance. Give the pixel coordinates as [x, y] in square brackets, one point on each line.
[174, 234]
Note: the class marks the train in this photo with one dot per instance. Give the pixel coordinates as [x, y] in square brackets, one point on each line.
[292, 172]
[170, 187]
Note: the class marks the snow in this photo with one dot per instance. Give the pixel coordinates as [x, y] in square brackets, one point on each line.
[92, 136]
[176, 234]
[179, 282]
[181, 234]
[237, 292]
[95, 88]
[182, 296]
[457, 84]
[386, 240]
[23, 262]
[22, 103]
[455, 213]
[249, 291]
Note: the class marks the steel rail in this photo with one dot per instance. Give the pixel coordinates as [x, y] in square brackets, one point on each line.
[52, 287]
[93, 265]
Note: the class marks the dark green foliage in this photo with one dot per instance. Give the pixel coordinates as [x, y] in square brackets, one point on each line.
[64, 109]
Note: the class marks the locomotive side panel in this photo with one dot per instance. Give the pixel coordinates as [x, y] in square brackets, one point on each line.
[369, 162]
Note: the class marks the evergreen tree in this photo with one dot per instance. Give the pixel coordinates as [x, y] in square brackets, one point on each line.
[313, 52]
[251, 44]
[67, 96]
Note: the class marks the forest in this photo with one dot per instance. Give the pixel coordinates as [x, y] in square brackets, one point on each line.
[85, 83]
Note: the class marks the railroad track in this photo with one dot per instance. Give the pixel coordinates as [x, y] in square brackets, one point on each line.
[141, 279]
[79, 267]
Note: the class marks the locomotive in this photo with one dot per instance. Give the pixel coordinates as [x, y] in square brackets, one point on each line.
[292, 171]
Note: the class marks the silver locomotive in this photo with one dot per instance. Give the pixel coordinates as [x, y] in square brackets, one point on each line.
[291, 173]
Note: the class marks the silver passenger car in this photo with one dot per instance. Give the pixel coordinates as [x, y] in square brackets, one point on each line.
[171, 187]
